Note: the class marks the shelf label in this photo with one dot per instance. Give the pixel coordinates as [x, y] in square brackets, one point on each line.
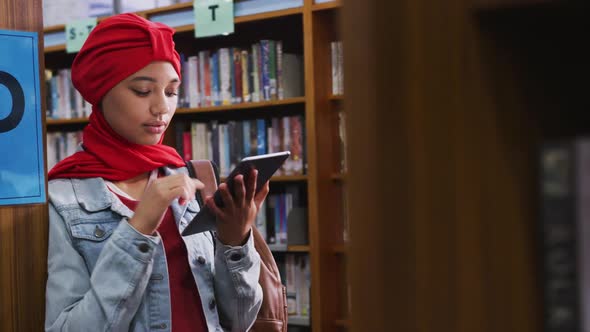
[213, 17]
[22, 166]
[76, 33]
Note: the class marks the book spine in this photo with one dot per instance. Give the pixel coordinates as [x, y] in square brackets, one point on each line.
[255, 73]
[272, 69]
[225, 71]
[237, 75]
[582, 179]
[265, 55]
[279, 70]
[215, 78]
[261, 136]
[245, 76]
[560, 282]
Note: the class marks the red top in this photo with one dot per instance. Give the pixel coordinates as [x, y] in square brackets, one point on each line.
[187, 311]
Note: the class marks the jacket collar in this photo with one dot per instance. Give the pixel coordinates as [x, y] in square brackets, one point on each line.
[93, 195]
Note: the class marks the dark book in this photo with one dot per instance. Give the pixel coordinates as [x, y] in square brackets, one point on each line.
[565, 238]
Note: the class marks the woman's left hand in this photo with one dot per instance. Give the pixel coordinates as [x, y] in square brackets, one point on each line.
[236, 218]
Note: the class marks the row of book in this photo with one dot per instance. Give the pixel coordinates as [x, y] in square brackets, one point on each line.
[337, 59]
[297, 278]
[283, 218]
[233, 75]
[223, 77]
[61, 145]
[565, 233]
[57, 12]
[63, 101]
[228, 142]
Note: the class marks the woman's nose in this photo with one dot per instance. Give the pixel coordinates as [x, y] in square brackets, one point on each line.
[159, 105]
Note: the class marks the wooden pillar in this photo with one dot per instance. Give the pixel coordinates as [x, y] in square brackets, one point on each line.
[441, 172]
[23, 228]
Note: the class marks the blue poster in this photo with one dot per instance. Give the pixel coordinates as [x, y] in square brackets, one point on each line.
[22, 170]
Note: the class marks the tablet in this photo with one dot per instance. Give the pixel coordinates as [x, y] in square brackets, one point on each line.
[266, 164]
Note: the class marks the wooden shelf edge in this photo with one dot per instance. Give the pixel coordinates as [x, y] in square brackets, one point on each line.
[56, 48]
[342, 323]
[283, 178]
[336, 4]
[298, 248]
[183, 28]
[289, 101]
[340, 249]
[59, 122]
[495, 5]
[166, 9]
[289, 248]
[336, 97]
[339, 177]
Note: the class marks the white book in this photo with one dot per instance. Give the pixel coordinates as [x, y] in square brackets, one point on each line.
[192, 87]
[292, 82]
[334, 67]
[291, 283]
[225, 61]
[340, 69]
[130, 6]
[255, 74]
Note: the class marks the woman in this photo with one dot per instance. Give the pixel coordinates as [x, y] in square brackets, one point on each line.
[117, 261]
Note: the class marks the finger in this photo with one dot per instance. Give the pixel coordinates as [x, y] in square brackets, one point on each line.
[185, 197]
[225, 195]
[197, 184]
[175, 192]
[239, 189]
[251, 185]
[210, 202]
[261, 195]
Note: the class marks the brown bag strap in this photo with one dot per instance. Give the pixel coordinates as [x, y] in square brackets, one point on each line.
[273, 311]
[204, 171]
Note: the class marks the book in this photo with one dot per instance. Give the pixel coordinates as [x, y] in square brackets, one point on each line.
[565, 234]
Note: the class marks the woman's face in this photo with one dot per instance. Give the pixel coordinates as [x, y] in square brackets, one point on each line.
[141, 106]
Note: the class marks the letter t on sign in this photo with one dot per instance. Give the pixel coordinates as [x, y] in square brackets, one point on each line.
[213, 7]
[213, 17]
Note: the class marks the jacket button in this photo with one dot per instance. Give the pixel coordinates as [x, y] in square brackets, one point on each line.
[143, 247]
[212, 304]
[235, 257]
[201, 260]
[98, 232]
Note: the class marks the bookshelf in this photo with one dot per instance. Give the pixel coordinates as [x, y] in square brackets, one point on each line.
[540, 41]
[306, 28]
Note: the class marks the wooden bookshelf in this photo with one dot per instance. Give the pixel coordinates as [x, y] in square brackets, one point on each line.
[338, 98]
[242, 106]
[342, 323]
[284, 178]
[341, 249]
[298, 248]
[63, 122]
[315, 26]
[339, 177]
[327, 5]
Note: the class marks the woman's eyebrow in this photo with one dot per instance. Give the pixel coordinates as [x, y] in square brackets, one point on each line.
[143, 78]
[151, 79]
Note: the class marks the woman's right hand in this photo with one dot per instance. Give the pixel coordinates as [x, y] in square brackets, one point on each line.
[158, 196]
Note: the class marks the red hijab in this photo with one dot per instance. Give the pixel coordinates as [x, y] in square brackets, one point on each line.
[118, 47]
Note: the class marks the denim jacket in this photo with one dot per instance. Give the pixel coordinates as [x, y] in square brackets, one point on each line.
[103, 275]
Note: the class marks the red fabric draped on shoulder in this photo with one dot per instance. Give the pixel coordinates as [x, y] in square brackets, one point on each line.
[118, 47]
[106, 154]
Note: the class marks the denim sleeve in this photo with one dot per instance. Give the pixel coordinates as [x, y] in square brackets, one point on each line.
[237, 291]
[105, 299]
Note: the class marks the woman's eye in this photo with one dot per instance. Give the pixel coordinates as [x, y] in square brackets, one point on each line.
[141, 93]
[171, 93]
